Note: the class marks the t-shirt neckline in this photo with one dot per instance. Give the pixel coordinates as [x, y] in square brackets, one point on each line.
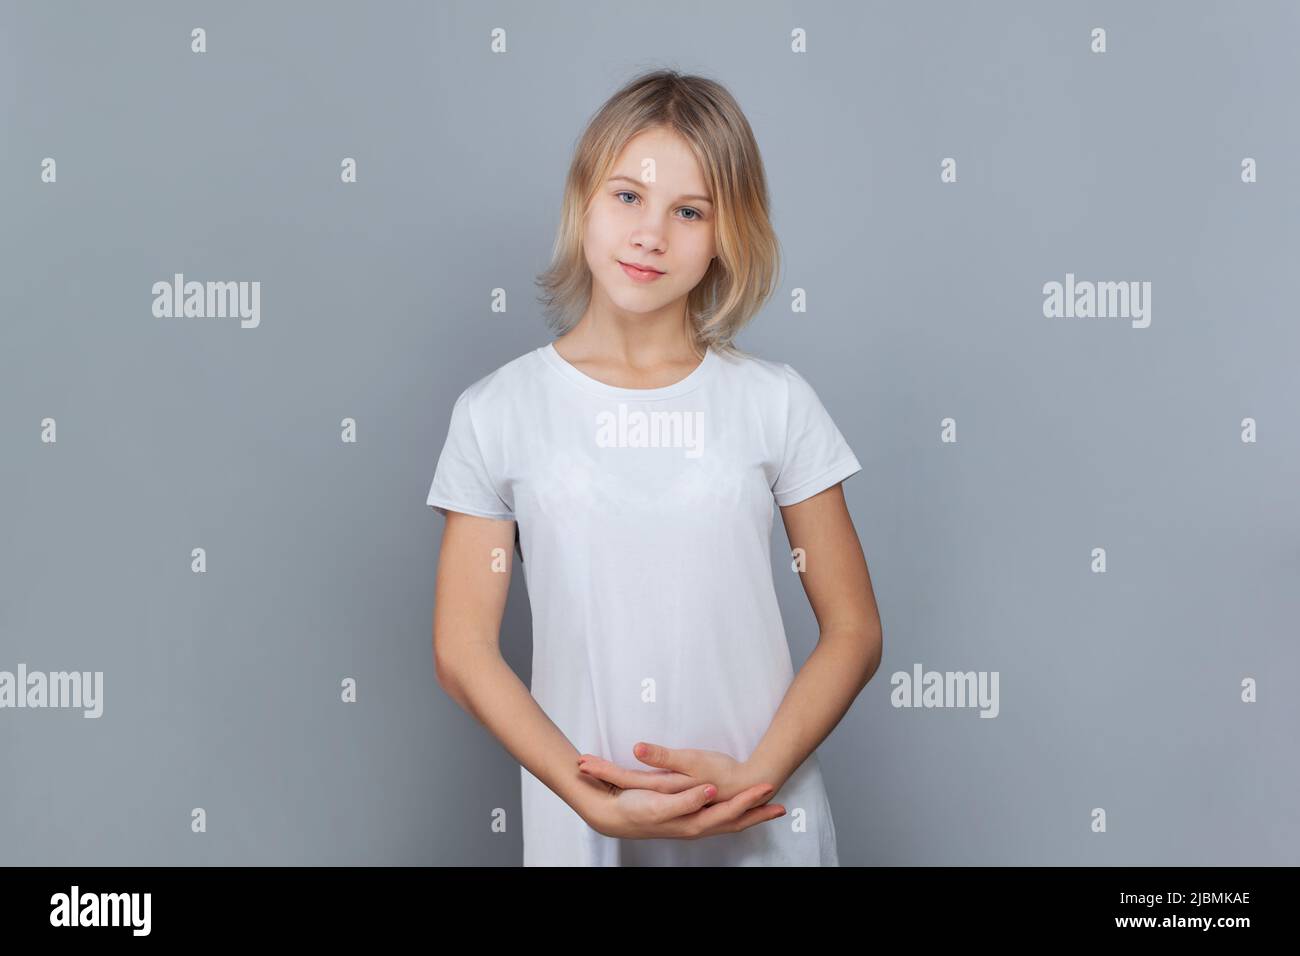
[582, 379]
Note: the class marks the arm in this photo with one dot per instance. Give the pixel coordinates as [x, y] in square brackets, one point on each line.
[469, 603]
[848, 651]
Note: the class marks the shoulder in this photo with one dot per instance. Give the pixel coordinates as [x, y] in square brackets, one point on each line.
[770, 375]
[504, 386]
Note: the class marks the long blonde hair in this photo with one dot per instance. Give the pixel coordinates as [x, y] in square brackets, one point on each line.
[707, 117]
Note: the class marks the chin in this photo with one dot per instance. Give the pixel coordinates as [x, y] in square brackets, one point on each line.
[637, 304]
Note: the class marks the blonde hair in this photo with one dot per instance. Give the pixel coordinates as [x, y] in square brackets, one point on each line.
[702, 112]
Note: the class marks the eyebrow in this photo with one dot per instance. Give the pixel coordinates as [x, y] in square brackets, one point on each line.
[638, 183]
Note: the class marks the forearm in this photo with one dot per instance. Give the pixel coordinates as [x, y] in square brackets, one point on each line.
[485, 685]
[820, 694]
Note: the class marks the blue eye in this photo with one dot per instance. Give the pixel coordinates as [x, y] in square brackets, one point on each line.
[627, 192]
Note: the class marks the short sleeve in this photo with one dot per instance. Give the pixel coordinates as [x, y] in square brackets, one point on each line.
[816, 454]
[461, 481]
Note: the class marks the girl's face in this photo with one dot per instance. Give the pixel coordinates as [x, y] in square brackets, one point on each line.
[665, 224]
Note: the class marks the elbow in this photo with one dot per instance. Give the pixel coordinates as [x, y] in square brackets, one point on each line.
[445, 672]
[860, 645]
[875, 652]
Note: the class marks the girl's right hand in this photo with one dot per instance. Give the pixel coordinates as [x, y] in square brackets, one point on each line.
[688, 815]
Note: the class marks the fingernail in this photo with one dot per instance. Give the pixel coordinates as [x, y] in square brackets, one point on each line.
[710, 791]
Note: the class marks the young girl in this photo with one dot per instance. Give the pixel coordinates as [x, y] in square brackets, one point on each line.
[633, 462]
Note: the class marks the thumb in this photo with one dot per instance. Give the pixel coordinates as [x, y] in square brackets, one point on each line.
[656, 756]
[689, 801]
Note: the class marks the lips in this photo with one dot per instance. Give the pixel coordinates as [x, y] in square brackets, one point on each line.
[639, 273]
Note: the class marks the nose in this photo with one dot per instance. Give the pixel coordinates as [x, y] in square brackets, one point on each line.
[649, 233]
[648, 239]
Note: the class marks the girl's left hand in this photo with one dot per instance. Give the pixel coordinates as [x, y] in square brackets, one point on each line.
[681, 770]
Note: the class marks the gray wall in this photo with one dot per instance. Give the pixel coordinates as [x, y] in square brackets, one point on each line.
[1119, 690]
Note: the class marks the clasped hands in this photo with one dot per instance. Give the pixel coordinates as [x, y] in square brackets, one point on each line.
[693, 794]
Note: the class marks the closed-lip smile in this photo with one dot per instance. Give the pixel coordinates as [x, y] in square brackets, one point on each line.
[641, 268]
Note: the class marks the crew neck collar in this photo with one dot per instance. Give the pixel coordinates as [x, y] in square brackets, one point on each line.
[585, 381]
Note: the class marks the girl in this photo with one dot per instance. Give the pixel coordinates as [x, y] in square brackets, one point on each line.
[633, 462]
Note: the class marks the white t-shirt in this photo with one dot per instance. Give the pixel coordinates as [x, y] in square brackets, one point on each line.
[645, 521]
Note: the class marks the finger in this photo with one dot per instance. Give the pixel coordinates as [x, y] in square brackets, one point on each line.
[687, 802]
[665, 781]
[662, 781]
[657, 755]
[717, 817]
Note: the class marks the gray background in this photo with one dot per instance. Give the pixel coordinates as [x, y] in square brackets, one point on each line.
[1118, 690]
